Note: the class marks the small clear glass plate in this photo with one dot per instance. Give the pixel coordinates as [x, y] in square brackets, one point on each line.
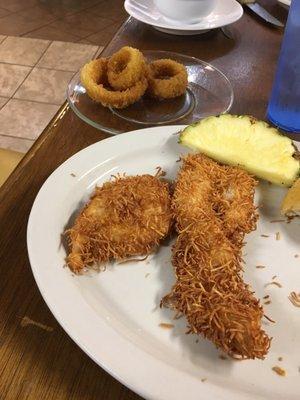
[209, 92]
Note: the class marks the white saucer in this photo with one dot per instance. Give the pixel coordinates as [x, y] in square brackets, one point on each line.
[225, 13]
[285, 3]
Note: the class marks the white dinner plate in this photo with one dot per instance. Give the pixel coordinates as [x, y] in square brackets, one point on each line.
[285, 3]
[114, 316]
[226, 12]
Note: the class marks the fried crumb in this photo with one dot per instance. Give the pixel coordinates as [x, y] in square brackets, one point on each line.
[294, 299]
[279, 371]
[165, 325]
[72, 174]
[197, 341]
[269, 319]
[296, 255]
[129, 260]
[280, 359]
[277, 235]
[274, 277]
[222, 357]
[266, 297]
[277, 220]
[266, 236]
[146, 276]
[273, 283]
[260, 266]
[267, 302]
[203, 379]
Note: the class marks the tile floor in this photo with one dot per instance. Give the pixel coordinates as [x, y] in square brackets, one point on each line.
[42, 44]
[84, 21]
[34, 74]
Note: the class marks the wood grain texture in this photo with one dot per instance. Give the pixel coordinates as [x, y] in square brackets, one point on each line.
[37, 363]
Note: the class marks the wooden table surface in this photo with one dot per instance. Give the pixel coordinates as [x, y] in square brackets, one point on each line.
[39, 361]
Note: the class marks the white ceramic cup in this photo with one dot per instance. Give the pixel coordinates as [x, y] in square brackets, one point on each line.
[186, 11]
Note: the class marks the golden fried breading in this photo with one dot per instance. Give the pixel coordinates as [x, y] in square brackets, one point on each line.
[210, 292]
[126, 217]
[225, 191]
[209, 288]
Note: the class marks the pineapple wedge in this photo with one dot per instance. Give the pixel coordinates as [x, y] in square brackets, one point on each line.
[291, 203]
[246, 142]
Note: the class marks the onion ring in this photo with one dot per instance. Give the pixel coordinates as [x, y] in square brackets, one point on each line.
[94, 78]
[166, 78]
[125, 68]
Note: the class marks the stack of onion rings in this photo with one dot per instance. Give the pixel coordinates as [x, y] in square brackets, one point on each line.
[122, 79]
[166, 79]
[94, 79]
[125, 68]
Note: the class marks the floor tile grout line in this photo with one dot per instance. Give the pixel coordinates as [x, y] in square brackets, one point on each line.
[16, 137]
[48, 68]
[29, 8]
[14, 12]
[26, 76]
[7, 100]
[60, 19]
[103, 29]
[38, 101]
[26, 33]
[54, 69]
[31, 69]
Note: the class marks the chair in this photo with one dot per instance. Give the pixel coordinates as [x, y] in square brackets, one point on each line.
[9, 159]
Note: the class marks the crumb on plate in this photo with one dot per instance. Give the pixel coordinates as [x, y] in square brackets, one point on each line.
[279, 371]
[274, 283]
[294, 299]
[166, 325]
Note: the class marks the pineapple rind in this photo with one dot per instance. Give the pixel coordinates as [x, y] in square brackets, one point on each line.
[246, 142]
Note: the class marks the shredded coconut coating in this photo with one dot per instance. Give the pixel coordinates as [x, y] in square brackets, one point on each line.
[213, 207]
[126, 217]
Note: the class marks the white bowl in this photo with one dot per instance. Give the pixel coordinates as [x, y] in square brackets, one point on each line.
[189, 11]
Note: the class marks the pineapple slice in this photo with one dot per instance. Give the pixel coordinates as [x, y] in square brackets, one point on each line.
[291, 203]
[246, 142]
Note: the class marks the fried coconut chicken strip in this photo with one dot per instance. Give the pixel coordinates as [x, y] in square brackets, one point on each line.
[126, 217]
[213, 207]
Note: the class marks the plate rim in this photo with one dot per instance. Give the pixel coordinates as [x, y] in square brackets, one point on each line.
[285, 2]
[189, 27]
